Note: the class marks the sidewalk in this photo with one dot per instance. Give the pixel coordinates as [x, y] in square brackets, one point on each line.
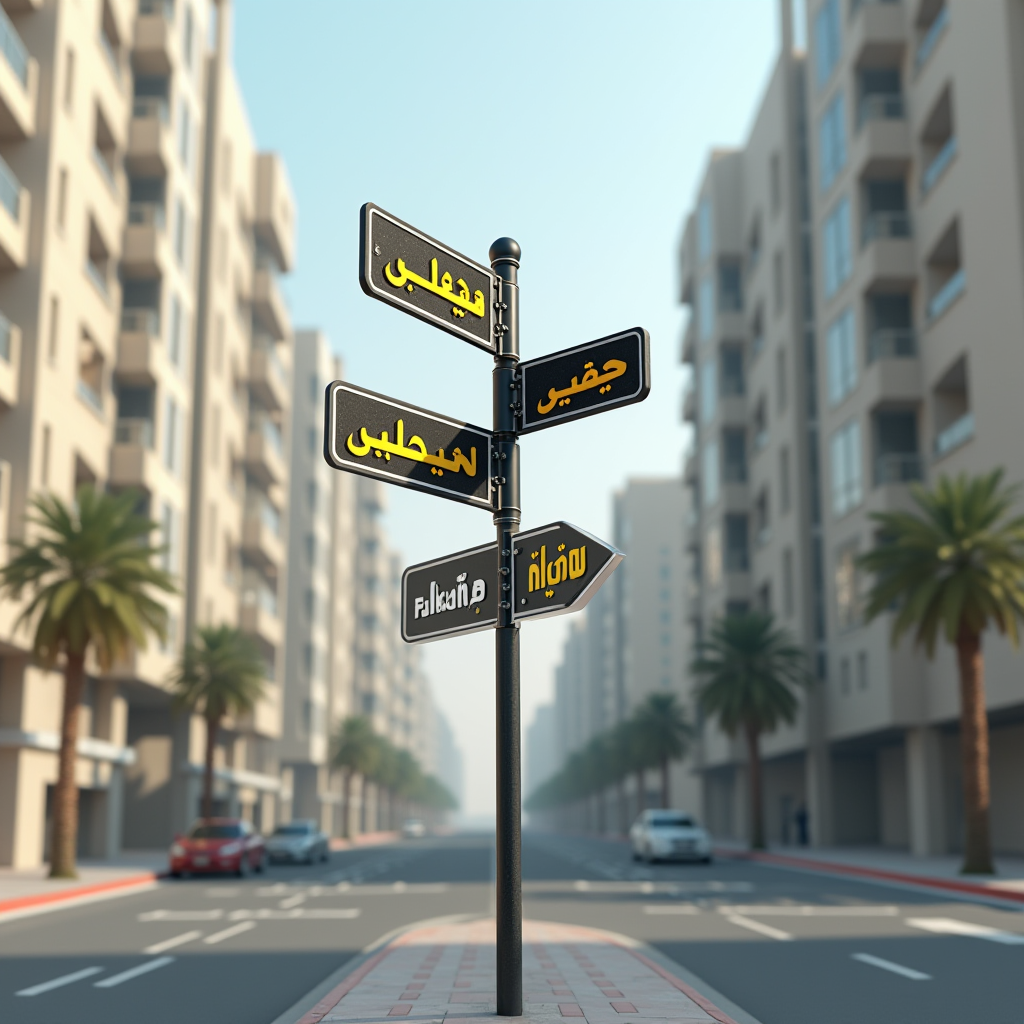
[893, 865]
[448, 970]
[365, 839]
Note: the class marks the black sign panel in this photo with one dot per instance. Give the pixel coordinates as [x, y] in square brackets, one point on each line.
[451, 595]
[590, 378]
[379, 437]
[414, 272]
[558, 569]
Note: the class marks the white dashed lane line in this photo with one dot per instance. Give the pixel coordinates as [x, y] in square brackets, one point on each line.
[64, 979]
[950, 926]
[757, 926]
[888, 965]
[178, 940]
[227, 933]
[134, 972]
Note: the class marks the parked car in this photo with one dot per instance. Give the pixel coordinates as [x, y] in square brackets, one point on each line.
[218, 844]
[413, 828]
[669, 835]
[299, 841]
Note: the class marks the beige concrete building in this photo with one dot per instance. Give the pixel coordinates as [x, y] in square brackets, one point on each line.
[142, 346]
[874, 223]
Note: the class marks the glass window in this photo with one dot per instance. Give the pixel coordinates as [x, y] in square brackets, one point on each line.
[841, 343]
[847, 583]
[710, 473]
[706, 308]
[705, 228]
[832, 141]
[708, 390]
[180, 231]
[171, 453]
[827, 41]
[170, 537]
[730, 288]
[184, 132]
[847, 479]
[837, 255]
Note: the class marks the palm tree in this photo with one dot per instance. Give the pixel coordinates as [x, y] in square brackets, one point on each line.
[750, 669]
[639, 757]
[222, 674]
[91, 577]
[663, 724]
[957, 567]
[356, 752]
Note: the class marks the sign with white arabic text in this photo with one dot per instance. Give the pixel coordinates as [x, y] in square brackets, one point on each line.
[588, 379]
[376, 436]
[415, 273]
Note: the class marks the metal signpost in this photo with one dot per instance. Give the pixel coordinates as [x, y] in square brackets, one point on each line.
[547, 571]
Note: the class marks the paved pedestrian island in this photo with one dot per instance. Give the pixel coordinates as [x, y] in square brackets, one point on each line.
[447, 973]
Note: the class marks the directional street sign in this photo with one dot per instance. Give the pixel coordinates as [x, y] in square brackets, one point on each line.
[376, 436]
[406, 268]
[451, 595]
[558, 569]
[581, 381]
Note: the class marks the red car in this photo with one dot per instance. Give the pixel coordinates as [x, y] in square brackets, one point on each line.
[218, 844]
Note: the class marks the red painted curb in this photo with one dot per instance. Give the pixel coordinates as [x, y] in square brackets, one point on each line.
[335, 996]
[41, 898]
[927, 881]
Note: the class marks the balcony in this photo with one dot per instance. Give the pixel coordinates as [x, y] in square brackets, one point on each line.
[268, 379]
[133, 462]
[264, 451]
[19, 83]
[956, 434]
[274, 221]
[881, 149]
[138, 348]
[269, 304]
[260, 616]
[145, 241]
[937, 166]
[880, 106]
[10, 362]
[947, 294]
[690, 468]
[153, 49]
[261, 535]
[932, 36]
[690, 405]
[14, 215]
[688, 353]
[898, 468]
[876, 32]
[892, 343]
[150, 140]
[885, 224]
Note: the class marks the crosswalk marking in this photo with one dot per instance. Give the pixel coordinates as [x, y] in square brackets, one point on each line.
[64, 979]
[950, 926]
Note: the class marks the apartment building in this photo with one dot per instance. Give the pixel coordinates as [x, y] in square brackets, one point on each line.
[890, 156]
[142, 332]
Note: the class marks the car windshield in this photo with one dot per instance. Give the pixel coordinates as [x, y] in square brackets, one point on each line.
[215, 832]
[292, 830]
[673, 821]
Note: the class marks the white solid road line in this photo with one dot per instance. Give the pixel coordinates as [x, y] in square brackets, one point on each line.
[292, 901]
[235, 929]
[811, 910]
[671, 908]
[120, 979]
[178, 940]
[950, 926]
[888, 965]
[181, 915]
[757, 926]
[65, 979]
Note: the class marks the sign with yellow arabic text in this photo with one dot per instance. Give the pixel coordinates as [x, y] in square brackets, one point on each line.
[451, 595]
[585, 380]
[558, 569]
[410, 270]
[376, 436]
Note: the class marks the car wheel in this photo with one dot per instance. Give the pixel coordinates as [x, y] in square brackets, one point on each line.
[261, 864]
[648, 856]
[175, 874]
[706, 860]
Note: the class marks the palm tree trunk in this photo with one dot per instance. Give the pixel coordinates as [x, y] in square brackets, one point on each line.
[64, 837]
[212, 725]
[974, 751]
[756, 808]
[664, 783]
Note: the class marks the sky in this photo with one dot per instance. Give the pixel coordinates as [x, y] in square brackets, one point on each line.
[581, 129]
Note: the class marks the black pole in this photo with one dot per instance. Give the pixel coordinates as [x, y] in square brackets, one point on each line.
[504, 254]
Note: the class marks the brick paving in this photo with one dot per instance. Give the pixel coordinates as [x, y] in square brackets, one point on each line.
[447, 972]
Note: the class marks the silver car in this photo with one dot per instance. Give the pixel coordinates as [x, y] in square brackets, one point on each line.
[299, 841]
[669, 835]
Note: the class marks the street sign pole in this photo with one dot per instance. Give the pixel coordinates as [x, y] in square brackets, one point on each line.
[504, 255]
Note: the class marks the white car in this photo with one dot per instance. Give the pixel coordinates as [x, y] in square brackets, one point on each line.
[669, 835]
[299, 841]
[413, 828]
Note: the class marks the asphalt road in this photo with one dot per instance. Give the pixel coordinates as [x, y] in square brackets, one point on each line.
[789, 947]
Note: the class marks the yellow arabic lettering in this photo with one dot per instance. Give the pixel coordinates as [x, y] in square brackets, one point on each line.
[416, 450]
[544, 573]
[591, 379]
[461, 303]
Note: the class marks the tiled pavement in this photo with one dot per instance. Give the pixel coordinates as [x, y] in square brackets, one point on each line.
[447, 972]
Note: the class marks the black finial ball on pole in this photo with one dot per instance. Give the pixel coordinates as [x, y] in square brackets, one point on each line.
[505, 250]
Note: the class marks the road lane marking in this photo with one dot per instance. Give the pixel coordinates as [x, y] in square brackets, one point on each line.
[888, 965]
[135, 972]
[671, 908]
[950, 926]
[296, 914]
[757, 926]
[227, 933]
[181, 915]
[292, 901]
[178, 940]
[64, 979]
[811, 910]
[223, 893]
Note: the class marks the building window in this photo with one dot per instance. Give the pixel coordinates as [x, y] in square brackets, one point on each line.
[832, 141]
[847, 479]
[52, 344]
[184, 132]
[827, 41]
[705, 228]
[778, 282]
[710, 473]
[170, 537]
[180, 231]
[787, 583]
[862, 670]
[841, 343]
[706, 308]
[847, 581]
[730, 287]
[69, 80]
[837, 253]
[775, 181]
[844, 675]
[708, 390]
[785, 499]
[781, 389]
[171, 453]
[62, 198]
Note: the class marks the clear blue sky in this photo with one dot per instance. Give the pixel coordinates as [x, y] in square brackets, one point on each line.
[579, 128]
